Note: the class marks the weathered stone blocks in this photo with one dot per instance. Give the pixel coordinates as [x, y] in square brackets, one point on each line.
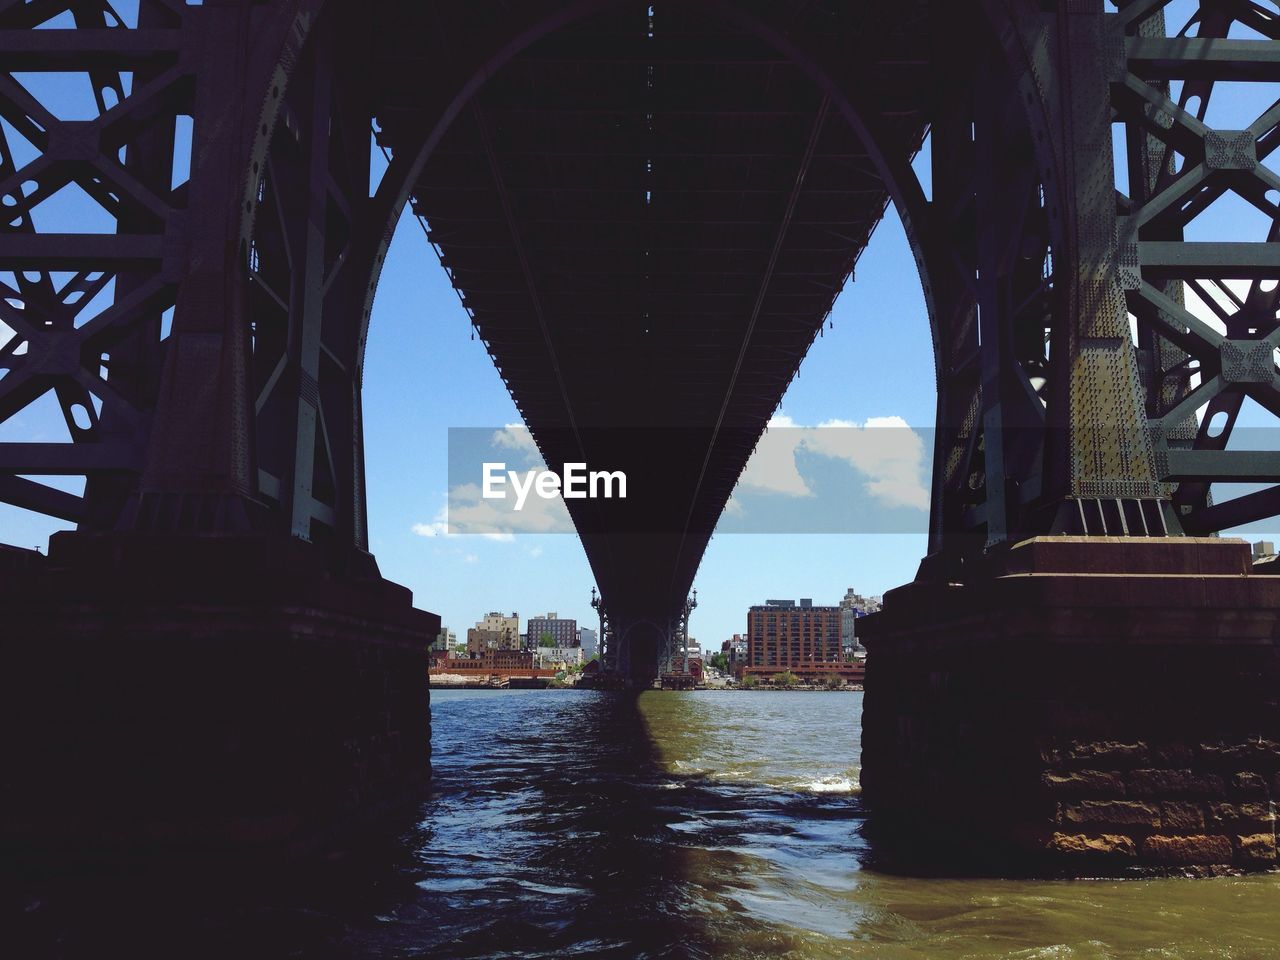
[1182, 816]
[1188, 849]
[1081, 844]
[1085, 782]
[1258, 848]
[1166, 783]
[1111, 813]
[1108, 753]
[1094, 716]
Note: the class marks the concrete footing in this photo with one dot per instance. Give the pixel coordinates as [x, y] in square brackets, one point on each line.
[1101, 706]
[203, 697]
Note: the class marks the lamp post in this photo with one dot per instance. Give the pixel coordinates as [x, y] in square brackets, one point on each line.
[689, 606]
[603, 647]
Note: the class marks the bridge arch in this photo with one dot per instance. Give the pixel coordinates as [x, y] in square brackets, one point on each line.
[337, 511]
[821, 62]
[185, 423]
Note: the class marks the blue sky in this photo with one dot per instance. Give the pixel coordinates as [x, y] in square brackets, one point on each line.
[424, 374]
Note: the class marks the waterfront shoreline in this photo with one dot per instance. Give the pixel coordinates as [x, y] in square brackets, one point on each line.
[852, 688]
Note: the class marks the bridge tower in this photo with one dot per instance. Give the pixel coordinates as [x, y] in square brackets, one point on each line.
[1091, 691]
[675, 657]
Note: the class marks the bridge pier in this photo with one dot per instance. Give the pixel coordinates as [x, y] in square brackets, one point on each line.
[206, 698]
[1100, 706]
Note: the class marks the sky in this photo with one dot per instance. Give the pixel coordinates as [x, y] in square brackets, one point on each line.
[425, 374]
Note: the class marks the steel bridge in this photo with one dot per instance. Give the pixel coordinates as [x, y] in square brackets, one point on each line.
[648, 210]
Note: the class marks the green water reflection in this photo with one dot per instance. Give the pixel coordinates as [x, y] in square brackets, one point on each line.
[802, 893]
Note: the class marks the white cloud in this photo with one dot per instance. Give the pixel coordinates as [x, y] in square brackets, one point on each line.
[466, 513]
[516, 436]
[884, 450]
[772, 467]
[469, 513]
[441, 527]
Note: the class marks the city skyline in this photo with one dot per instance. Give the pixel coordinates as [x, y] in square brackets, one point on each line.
[587, 622]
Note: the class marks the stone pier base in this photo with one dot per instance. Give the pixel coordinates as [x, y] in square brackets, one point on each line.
[203, 698]
[1101, 706]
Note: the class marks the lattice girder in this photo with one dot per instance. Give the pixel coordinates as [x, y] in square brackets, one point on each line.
[1178, 167]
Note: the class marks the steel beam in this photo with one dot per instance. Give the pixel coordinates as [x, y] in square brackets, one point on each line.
[99, 49]
[1227, 466]
[77, 251]
[1203, 58]
[66, 458]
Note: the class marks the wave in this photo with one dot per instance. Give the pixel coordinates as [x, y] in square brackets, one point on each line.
[831, 785]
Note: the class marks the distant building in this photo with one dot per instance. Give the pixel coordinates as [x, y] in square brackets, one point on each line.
[495, 632]
[557, 658]
[852, 607]
[853, 674]
[589, 642]
[735, 653]
[492, 660]
[563, 633]
[445, 640]
[782, 634]
[479, 640]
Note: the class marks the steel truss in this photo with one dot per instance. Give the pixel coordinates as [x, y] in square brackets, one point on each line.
[83, 312]
[1177, 169]
[305, 297]
[244, 412]
[1070, 368]
[675, 654]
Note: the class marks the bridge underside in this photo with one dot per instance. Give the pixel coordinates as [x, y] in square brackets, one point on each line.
[648, 214]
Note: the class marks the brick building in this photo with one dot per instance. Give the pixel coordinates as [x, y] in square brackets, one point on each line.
[563, 632]
[493, 660]
[782, 635]
[495, 632]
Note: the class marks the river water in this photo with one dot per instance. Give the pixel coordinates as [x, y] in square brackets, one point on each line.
[727, 824]
[584, 824]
